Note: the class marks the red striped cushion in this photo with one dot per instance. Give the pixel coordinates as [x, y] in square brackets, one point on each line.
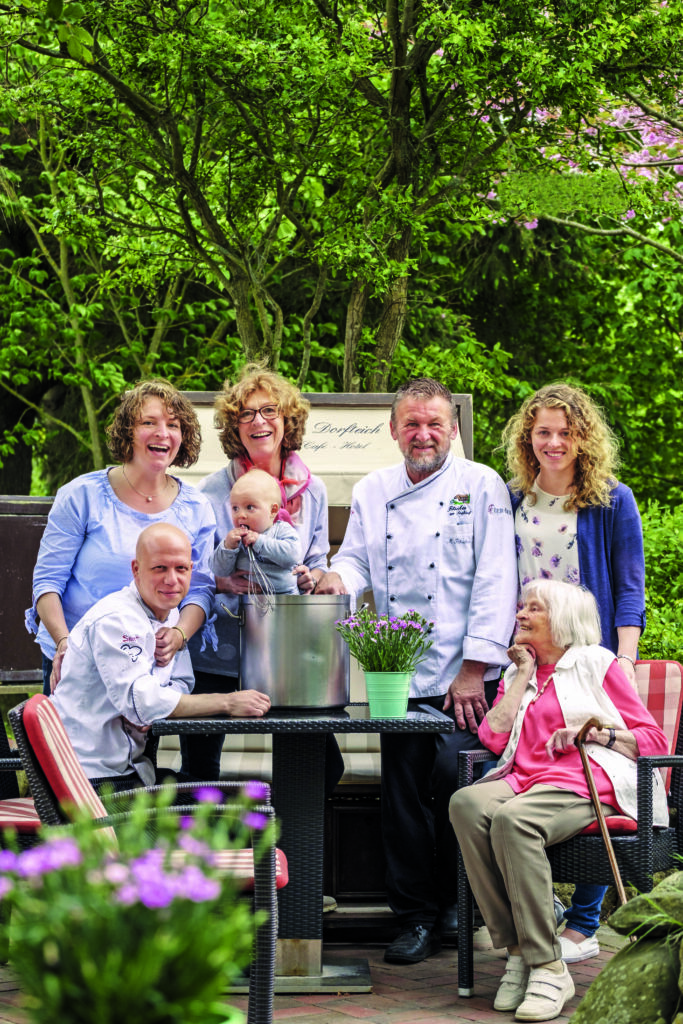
[19, 814]
[617, 824]
[240, 864]
[659, 685]
[57, 758]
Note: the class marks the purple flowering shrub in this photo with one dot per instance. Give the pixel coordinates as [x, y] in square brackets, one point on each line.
[144, 929]
[386, 643]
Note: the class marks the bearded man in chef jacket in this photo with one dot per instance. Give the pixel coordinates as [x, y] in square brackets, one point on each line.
[434, 533]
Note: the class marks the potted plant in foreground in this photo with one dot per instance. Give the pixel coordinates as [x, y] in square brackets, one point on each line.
[388, 649]
[145, 928]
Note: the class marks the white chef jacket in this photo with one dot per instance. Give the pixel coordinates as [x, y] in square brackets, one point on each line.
[444, 547]
[108, 675]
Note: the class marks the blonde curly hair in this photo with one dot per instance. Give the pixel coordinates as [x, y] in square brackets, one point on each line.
[597, 447]
[230, 402]
[121, 430]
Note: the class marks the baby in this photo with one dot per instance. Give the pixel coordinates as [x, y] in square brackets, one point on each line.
[255, 501]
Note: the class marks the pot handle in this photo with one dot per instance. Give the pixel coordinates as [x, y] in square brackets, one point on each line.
[239, 616]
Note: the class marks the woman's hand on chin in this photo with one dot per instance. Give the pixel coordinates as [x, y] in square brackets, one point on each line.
[523, 656]
[236, 583]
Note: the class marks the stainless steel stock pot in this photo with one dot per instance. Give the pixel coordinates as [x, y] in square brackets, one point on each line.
[292, 651]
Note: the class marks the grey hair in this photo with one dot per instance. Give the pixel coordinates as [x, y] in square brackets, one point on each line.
[423, 388]
[572, 612]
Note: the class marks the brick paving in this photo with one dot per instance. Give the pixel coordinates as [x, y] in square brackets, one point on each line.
[424, 993]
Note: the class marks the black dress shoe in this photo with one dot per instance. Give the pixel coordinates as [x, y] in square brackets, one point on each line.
[448, 922]
[412, 946]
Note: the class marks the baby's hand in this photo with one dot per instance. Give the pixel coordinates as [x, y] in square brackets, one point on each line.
[249, 537]
[232, 539]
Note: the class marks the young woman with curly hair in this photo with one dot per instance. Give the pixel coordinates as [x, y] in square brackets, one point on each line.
[575, 522]
[89, 541]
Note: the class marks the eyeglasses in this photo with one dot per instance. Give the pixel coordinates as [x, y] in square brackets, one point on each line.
[268, 412]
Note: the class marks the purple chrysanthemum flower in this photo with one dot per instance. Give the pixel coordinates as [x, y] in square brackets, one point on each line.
[256, 790]
[208, 795]
[254, 819]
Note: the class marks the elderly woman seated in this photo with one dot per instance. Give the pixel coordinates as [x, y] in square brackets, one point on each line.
[538, 794]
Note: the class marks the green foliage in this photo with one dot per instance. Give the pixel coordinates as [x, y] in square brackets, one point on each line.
[143, 930]
[663, 540]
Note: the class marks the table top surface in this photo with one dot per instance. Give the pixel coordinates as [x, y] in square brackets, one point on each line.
[353, 718]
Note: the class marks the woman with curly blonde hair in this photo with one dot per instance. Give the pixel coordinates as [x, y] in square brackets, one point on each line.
[575, 522]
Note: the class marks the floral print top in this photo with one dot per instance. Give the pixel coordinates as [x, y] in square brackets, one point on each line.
[545, 536]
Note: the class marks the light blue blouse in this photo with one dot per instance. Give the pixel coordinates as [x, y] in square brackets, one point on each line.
[89, 543]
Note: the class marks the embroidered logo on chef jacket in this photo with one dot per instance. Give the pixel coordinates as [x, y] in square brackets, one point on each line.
[495, 510]
[460, 506]
[132, 650]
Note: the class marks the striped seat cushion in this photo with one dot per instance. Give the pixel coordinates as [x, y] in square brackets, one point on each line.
[617, 824]
[56, 756]
[240, 864]
[19, 815]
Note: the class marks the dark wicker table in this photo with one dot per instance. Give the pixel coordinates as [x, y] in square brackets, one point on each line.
[298, 798]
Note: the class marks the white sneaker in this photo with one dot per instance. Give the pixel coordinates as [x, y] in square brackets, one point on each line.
[512, 988]
[545, 995]
[575, 952]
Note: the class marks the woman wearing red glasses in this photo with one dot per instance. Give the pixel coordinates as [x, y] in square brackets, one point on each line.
[260, 420]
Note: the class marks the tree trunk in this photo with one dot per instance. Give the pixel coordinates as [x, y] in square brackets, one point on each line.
[392, 318]
[355, 312]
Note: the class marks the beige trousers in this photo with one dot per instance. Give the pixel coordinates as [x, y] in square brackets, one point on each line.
[503, 836]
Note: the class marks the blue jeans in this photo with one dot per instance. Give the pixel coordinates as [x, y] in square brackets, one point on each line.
[584, 913]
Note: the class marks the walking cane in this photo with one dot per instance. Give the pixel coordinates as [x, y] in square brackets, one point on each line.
[580, 741]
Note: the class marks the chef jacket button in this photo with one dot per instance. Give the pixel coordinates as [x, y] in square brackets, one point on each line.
[388, 536]
[392, 506]
[437, 534]
[431, 565]
[392, 598]
[390, 567]
[429, 597]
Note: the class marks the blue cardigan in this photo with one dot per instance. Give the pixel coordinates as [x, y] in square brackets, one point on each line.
[611, 560]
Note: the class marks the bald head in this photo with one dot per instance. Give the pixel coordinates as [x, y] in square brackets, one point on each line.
[162, 567]
[258, 484]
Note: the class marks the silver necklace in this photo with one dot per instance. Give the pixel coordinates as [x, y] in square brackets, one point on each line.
[147, 497]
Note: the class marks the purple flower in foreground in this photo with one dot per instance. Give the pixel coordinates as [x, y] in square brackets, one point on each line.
[208, 795]
[253, 819]
[195, 886]
[256, 790]
[50, 856]
[8, 860]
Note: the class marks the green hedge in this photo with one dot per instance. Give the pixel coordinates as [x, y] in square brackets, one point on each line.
[663, 538]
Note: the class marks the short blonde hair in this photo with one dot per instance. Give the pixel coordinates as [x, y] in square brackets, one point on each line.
[230, 402]
[597, 447]
[572, 611]
[120, 430]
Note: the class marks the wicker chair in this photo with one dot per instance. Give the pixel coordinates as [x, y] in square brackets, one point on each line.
[640, 848]
[61, 789]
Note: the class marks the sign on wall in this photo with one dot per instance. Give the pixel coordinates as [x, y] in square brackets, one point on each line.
[346, 437]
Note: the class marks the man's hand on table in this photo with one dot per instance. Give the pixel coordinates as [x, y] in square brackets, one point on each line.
[247, 703]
